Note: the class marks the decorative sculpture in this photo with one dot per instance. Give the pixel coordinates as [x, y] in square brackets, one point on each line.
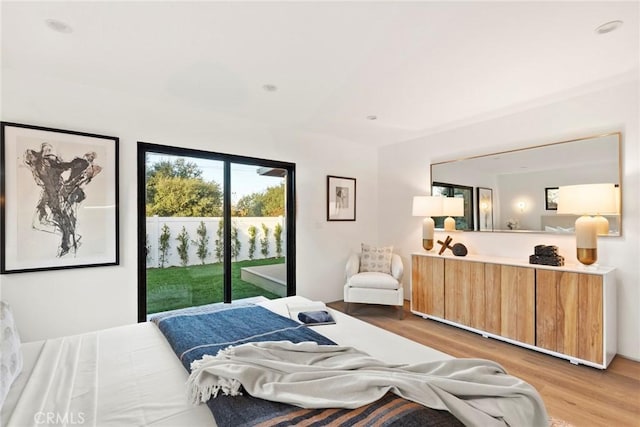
[445, 244]
[458, 249]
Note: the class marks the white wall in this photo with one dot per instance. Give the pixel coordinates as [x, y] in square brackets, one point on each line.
[49, 304]
[404, 172]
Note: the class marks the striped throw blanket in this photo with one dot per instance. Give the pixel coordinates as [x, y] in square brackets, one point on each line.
[194, 333]
[477, 392]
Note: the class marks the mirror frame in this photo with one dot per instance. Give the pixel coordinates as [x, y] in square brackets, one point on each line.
[618, 142]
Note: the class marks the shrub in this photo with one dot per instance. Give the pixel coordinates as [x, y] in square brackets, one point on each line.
[235, 243]
[252, 231]
[264, 242]
[183, 246]
[220, 241]
[164, 244]
[147, 248]
[202, 242]
[277, 234]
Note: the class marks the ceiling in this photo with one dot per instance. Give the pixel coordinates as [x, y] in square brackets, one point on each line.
[418, 67]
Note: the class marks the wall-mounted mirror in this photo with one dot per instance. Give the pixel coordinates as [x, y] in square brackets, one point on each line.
[516, 190]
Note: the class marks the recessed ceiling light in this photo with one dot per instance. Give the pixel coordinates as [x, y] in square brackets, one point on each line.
[58, 26]
[607, 27]
[270, 87]
[372, 117]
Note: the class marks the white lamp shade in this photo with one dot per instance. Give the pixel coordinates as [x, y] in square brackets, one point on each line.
[427, 206]
[588, 199]
[453, 206]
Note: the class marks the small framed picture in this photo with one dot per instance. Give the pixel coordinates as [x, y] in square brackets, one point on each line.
[341, 198]
[58, 199]
[485, 209]
[551, 198]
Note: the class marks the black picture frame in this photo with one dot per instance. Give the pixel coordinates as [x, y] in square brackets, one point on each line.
[59, 194]
[551, 198]
[341, 198]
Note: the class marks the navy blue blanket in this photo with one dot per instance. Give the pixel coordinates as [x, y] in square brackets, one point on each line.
[192, 333]
[197, 331]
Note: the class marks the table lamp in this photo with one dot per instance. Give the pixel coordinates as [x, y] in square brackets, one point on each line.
[427, 206]
[590, 201]
[452, 206]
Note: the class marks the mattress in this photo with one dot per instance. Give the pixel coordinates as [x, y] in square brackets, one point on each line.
[129, 375]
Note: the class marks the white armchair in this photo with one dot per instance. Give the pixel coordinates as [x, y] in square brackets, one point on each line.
[371, 287]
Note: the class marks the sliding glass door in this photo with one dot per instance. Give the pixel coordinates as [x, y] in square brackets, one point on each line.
[258, 238]
[212, 228]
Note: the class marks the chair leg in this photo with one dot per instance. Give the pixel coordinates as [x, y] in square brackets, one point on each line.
[400, 312]
[347, 307]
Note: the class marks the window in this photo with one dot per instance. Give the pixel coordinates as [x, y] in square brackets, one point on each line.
[212, 228]
[451, 190]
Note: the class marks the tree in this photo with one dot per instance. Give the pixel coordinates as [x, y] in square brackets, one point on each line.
[183, 246]
[273, 201]
[185, 197]
[253, 232]
[179, 168]
[264, 241]
[250, 205]
[164, 244]
[147, 248]
[219, 243]
[270, 202]
[277, 234]
[202, 242]
[235, 242]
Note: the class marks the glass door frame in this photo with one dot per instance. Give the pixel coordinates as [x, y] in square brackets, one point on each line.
[290, 208]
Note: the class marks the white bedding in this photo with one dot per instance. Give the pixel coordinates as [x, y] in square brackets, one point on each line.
[129, 375]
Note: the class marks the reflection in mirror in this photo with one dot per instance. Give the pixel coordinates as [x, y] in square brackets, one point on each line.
[464, 222]
[517, 190]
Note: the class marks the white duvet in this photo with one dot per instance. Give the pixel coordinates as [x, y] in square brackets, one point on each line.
[129, 375]
[126, 376]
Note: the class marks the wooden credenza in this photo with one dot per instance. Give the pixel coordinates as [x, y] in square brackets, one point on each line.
[568, 312]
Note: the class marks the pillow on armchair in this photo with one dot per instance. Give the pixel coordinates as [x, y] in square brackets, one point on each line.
[376, 259]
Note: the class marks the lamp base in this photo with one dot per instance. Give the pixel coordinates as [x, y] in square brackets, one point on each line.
[602, 225]
[449, 224]
[587, 256]
[427, 244]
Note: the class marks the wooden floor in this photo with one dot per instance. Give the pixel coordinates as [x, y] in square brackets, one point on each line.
[579, 395]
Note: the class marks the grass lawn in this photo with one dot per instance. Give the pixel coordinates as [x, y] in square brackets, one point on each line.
[178, 287]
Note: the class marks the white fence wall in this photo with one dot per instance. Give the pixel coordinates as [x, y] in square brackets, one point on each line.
[175, 224]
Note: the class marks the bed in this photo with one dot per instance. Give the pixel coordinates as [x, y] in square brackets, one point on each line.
[130, 375]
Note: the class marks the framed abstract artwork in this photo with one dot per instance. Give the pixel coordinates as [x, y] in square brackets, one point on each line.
[58, 199]
[341, 198]
[551, 198]
[485, 209]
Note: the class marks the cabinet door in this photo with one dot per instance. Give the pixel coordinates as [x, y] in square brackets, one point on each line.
[493, 298]
[546, 308]
[510, 302]
[569, 314]
[590, 318]
[427, 285]
[464, 293]
[524, 280]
